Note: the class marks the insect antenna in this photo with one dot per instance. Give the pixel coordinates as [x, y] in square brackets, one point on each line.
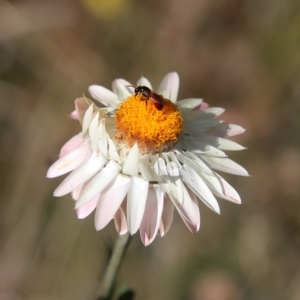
[130, 85]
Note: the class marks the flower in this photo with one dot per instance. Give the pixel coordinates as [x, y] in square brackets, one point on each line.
[135, 161]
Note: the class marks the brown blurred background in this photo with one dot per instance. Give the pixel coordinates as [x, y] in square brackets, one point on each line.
[242, 55]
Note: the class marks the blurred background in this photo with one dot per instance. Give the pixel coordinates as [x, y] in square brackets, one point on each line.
[242, 55]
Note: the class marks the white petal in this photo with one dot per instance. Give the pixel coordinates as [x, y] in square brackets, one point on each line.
[80, 175]
[131, 166]
[93, 132]
[111, 200]
[99, 182]
[103, 95]
[153, 158]
[167, 216]
[120, 219]
[70, 161]
[76, 192]
[175, 190]
[207, 113]
[71, 144]
[124, 83]
[196, 206]
[174, 187]
[174, 159]
[102, 139]
[226, 165]
[113, 153]
[85, 210]
[186, 105]
[165, 94]
[194, 227]
[184, 144]
[87, 118]
[136, 202]
[220, 143]
[200, 189]
[188, 211]
[173, 167]
[171, 84]
[220, 187]
[121, 90]
[227, 130]
[152, 215]
[190, 159]
[197, 126]
[212, 151]
[144, 82]
[162, 168]
[199, 147]
[148, 173]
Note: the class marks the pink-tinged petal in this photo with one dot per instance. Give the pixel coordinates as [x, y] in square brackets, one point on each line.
[81, 105]
[110, 201]
[136, 202]
[120, 219]
[71, 144]
[99, 182]
[203, 105]
[103, 95]
[225, 165]
[226, 130]
[152, 215]
[81, 174]
[171, 84]
[85, 210]
[73, 115]
[70, 161]
[76, 192]
[188, 211]
[167, 216]
[121, 90]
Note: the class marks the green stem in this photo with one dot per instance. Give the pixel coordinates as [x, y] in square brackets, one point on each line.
[106, 288]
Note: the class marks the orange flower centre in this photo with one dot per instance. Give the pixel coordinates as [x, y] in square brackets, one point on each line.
[139, 121]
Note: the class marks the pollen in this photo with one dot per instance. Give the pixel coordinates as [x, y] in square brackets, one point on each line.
[139, 121]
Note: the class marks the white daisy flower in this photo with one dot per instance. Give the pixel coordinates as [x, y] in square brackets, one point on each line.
[143, 154]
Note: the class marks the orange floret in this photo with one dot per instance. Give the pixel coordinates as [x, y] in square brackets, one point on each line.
[138, 120]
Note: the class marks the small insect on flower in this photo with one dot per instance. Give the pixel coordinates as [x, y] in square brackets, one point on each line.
[158, 100]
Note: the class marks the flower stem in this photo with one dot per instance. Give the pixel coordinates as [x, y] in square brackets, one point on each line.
[106, 287]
